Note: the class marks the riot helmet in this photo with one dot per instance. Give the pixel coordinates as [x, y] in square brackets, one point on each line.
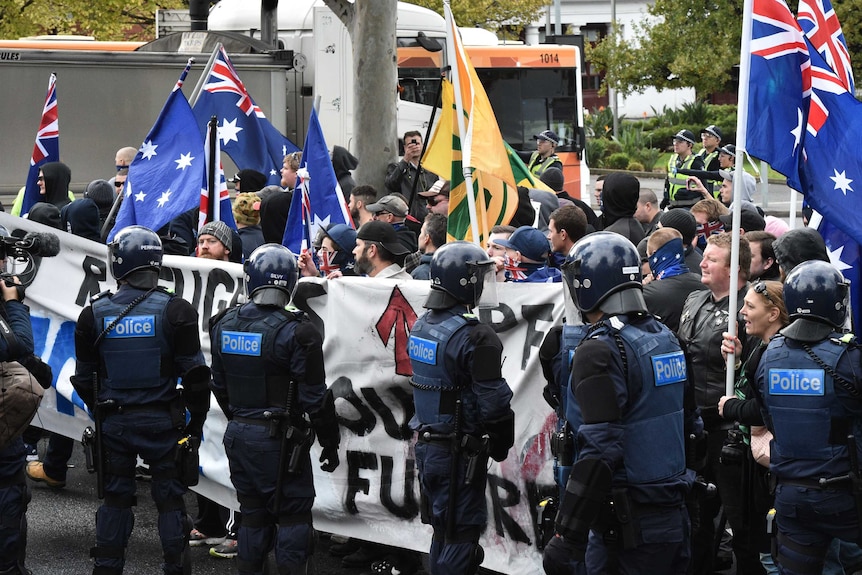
[134, 249]
[270, 275]
[461, 273]
[816, 295]
[603, 272]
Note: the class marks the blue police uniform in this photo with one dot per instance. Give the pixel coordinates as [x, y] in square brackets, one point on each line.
[258, 353]
[152, 343]
[456, 358]
[811, 415]
[637, 429]
[14, 494]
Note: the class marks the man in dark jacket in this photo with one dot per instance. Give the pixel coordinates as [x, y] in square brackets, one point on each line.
[401, 177]
[619, 203]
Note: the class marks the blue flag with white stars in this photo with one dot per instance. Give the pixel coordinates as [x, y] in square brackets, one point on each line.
[844, 254]
[246, 135]
[168, 174]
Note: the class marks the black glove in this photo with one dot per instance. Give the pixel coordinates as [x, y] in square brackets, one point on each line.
[562, 556]
[39, 369]
[329, 459]
[665, 202]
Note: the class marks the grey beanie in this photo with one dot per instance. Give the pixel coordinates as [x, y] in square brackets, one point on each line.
[220, 231]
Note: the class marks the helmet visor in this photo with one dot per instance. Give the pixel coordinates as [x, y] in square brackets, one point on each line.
[486, 284]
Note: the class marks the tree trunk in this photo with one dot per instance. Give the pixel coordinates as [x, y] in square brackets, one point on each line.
[375, 77]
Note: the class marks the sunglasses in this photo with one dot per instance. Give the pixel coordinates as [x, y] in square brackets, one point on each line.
[761, 289]
[119, 184]
[433, 201]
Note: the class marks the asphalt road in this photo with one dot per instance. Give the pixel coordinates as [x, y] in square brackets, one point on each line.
[62, 529]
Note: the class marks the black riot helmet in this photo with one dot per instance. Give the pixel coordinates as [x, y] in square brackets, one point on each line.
[816, 295]
[133, 249]
[459, 273]
[603, 272]
[270, 275]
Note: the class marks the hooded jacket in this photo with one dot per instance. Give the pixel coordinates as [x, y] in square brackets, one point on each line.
[342, 162]
[57, 177]
[619, 203]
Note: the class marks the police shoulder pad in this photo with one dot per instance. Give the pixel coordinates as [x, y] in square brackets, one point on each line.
[100, 295]
[470, 317]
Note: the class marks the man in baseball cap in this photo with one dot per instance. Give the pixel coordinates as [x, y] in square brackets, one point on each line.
[376, 251]
[545, 156]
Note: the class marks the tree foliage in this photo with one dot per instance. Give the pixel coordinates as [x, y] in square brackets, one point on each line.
[103, 19]
[490, 14]
[684, 43]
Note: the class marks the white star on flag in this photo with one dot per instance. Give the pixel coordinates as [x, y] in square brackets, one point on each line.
[228, 131]
[139, 197]
[842, 182]
[164, 198]
[148, 150]
[185, 161]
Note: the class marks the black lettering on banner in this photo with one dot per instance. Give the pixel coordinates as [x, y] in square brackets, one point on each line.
[410, 509]
[196, 295]
[304, 292]
[216, 278]
[357, 460]
[393, 429]
[342, 388]
[95, 271]
[508, 322]
[532, 314]
[173, 275]
[510, 497]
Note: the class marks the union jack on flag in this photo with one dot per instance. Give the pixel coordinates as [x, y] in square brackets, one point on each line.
[246, 135]
[820, 24]
[513, 271]
[47, 146]
[779, 88]
[215, 204]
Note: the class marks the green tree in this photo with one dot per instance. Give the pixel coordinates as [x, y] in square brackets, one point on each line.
[685, 43]
[490, 14]
[104, 19]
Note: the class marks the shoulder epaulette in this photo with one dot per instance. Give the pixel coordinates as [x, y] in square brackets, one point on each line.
[100, 295]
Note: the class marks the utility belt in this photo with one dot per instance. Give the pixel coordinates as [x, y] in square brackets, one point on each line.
[619, 522]
[563, 445]
[473, 448]
[175, 407]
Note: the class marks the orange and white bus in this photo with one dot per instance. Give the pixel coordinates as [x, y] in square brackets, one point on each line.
[531, 89]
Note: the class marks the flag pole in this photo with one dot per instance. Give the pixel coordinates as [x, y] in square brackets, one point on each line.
[741, 128]
[212, 191]
[204, 75]
[462, 128]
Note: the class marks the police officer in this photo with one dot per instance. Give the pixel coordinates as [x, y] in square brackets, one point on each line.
[676, 194]
[809, 380]
[16, 342]
[623, 510]
[462, 406]
[269, 379]
[132, 347]
[545, 155]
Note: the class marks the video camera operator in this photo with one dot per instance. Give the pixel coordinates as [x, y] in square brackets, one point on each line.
[16, 350]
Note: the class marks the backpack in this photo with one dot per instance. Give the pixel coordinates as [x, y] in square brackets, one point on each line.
[20, 396]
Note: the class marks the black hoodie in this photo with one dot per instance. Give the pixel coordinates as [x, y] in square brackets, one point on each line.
[619, 203]
[57, 177]
[342, 162]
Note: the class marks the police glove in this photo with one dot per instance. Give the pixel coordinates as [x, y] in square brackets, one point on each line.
[195, 426]
[39, 369]
[563, 555]
[664, 203]
[329, 459]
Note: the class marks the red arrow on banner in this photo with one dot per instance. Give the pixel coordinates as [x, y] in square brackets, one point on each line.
[399, 315]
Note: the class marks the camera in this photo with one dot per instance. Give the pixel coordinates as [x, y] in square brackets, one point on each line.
[20, 256]
[733, 451]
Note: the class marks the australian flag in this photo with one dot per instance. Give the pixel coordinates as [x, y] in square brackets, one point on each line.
[844, 254]
[779, 88]
[166, 177]
[246, 135]
[47, 147]
[317, 200]
[215, 200]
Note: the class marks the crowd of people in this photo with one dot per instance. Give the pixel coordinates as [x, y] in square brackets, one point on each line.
[652, 457]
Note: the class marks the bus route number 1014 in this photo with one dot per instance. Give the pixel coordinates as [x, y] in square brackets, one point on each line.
[550, 58]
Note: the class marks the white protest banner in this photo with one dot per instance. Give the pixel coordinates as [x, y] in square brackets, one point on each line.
[374, 494]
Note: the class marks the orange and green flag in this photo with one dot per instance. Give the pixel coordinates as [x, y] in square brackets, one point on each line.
[480, 147]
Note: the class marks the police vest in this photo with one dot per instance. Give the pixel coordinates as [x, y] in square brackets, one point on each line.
[247, 350]
[136, 354]
[677, 191]
[707, 158]
[809, 422]
[654, 438]
[570, 339]
[537, 168]
[436, 386]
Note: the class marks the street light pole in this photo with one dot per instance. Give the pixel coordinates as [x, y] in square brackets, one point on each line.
[612, 92]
